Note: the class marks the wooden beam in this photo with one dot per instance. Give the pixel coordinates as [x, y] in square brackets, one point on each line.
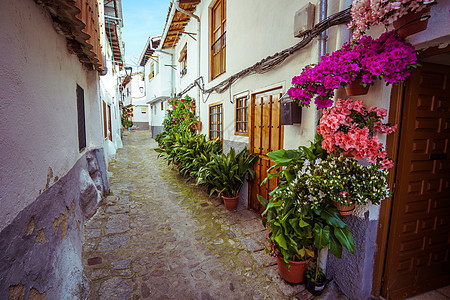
[189, 1]
[172, 66]
[180, 22]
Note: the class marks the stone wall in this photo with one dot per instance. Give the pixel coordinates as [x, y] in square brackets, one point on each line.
[40, 251]
[353, 273]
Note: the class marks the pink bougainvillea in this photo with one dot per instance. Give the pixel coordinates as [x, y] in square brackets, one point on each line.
[389, 58]
[350, 128]
[367, 13]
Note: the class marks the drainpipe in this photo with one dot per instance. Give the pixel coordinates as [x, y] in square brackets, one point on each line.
[322, 50]
[177, 6]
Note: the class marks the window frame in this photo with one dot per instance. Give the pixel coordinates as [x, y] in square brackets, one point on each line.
[221, 38]
[183, 60]
[241, 111]
[219, 123]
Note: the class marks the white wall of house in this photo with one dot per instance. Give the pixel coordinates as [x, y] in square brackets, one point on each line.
[161, 83]
[159, 87]
[38, 106]
[109, 93]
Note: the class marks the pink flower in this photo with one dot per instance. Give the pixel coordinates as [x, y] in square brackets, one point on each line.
[387, 164]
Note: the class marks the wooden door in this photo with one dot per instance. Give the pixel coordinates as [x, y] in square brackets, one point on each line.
[266, 135]
[418, 245]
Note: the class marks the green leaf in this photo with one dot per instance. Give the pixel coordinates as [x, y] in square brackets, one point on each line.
[345, 237]
[335, 246]
[280, 240]
[302, 223]
[321, 236]
[332, 216]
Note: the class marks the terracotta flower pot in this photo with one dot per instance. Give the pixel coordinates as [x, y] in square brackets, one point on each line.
[231, 203]
[221, 197]
[411, 23]
[199, 125]
[296, 271]
[343, 209]
[355, 88]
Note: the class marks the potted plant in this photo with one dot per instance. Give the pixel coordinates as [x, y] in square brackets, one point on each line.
[227, 173]
[350, 128]
[315, 278]
[300, 218]
[367, 13]
[389, 58]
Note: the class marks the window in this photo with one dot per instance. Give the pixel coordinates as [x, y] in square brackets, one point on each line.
[215, 122]
[81, 119]
[162, 105]
[109, 123]
[105, 121]
[218, 38]
[152, 71]
[182, 60]
[241, 116]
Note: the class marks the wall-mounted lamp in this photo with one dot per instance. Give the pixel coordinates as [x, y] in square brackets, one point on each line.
[128, 70]
[141, 89]
[290, 112]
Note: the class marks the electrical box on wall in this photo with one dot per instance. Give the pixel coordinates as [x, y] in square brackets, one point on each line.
[304, 20]
[290, 112]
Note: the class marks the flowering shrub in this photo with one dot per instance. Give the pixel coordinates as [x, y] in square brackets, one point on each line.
[366, 13]
[350, 128]
[180, 115]
[127, 113]
[342, 180]
[388, 57]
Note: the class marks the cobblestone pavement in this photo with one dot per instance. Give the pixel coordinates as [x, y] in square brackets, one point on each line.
[157, 236]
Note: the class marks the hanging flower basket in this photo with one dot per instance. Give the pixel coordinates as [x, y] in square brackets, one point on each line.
[343, 209]
[412, 22]
[355, 88]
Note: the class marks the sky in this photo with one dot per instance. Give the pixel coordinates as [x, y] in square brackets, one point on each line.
[141, 19]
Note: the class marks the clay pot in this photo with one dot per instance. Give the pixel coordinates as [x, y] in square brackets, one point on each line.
[231, 203]
[344, 210]
[221, 197]
[296, 271]
[411, 23]
[199, 125]
[355, 88]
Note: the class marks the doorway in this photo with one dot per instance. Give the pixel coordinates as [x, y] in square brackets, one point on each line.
[417, 240]
[266, 135]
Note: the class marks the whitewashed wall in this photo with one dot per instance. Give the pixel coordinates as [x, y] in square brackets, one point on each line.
[38, 106]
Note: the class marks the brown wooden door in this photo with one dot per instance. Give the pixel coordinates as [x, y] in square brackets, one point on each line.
[418, 245]
[266, 135]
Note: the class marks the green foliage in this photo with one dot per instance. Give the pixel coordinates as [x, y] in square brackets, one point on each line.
[180, 115]
[227, 172]
[314, 272]
[300, 223]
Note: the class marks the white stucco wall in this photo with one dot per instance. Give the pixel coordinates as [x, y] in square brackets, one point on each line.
[161, 83]
[38, 106]
[252, 34]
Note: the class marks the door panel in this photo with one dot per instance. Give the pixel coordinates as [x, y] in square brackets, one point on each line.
[266, 135]
[418, 246]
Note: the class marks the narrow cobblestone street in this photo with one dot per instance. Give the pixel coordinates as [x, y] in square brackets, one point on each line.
[158, 237]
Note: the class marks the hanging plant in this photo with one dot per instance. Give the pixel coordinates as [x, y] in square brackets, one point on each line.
[367, 13]
[389, 58]
[350, 128]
